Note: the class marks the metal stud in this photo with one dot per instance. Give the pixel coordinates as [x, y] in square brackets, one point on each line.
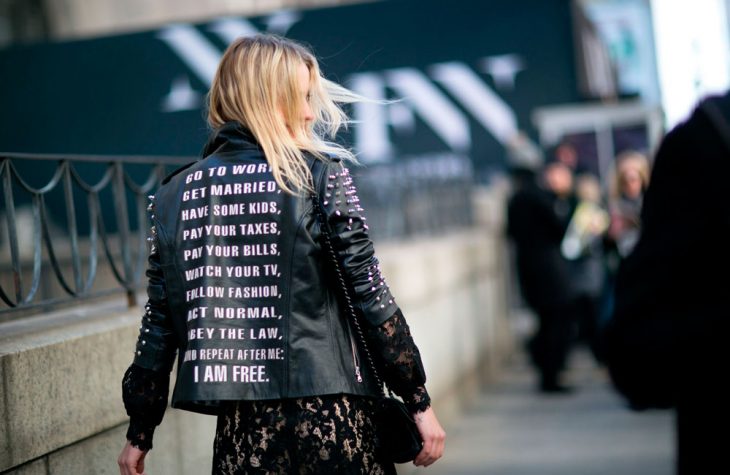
[139, 352]
[144, 342]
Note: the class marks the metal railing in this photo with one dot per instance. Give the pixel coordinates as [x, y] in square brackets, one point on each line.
[423, 196]
[125, 252]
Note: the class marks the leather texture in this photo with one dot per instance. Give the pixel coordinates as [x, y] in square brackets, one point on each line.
[238, 286]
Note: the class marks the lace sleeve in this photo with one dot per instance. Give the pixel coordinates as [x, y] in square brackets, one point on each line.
[400, 362]
[144, 392]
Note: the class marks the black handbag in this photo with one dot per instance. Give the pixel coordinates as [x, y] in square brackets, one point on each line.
[399, 440]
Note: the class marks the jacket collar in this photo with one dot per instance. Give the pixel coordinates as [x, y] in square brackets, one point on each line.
[231, 136]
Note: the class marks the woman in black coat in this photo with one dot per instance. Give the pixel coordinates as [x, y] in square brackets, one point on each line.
[538, 215]
[241, 289]
[668, 340]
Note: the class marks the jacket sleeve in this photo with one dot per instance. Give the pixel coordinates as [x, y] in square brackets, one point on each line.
[145, 384]
[345, 216]
[394, 351]
[156, 344]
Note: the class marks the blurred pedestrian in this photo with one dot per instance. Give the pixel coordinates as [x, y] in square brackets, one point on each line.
[628, 185]
[667, 342]
[582, 245]
[538, 216]
[630, 181]
[271, 353]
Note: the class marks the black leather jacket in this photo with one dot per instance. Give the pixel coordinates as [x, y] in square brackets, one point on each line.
[238, 281]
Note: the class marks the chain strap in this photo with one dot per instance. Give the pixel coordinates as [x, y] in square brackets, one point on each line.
[345, 294]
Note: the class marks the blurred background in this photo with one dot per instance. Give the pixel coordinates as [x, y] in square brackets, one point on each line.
[99, 100]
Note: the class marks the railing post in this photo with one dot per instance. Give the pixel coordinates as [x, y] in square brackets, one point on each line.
[72, 227]
[122, 213]
[131, 298]
[12, 230]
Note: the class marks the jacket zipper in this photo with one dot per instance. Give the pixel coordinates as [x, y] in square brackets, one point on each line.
[355, 356]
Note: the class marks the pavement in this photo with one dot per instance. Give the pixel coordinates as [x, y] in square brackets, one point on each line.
[511, 429]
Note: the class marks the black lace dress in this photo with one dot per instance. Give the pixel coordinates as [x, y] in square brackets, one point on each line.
[329, 434]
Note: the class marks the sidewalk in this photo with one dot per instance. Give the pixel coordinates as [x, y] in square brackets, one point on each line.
[512, 430]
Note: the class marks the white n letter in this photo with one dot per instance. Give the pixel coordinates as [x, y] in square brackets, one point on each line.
[486, 106]
[433, 107]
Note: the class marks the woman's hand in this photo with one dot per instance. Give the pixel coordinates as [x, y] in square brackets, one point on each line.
[433, 438]
[131, 460]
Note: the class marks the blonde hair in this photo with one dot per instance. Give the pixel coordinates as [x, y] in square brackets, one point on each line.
[625, 161]
[256, 85]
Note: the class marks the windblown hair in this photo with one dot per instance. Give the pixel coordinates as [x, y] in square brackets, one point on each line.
[256, 85]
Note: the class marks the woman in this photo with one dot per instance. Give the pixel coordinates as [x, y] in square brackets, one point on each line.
[583, 246]
[239, 285]
[627, 195]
